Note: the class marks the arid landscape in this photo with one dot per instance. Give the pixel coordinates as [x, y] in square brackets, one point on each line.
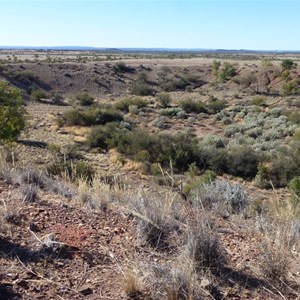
[150, 175]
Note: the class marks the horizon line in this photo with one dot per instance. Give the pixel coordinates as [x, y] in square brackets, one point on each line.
[8, 47]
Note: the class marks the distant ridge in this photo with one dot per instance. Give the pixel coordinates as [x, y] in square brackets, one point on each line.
[145, 50]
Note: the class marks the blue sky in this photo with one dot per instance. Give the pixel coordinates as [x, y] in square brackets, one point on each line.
[235, 24]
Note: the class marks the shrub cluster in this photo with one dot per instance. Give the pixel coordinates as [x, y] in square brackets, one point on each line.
[213, 106]
[85, 99]
[89, 117]
[124, 104]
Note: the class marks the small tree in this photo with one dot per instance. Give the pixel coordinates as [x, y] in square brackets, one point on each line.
[12, 112]
[288, 64]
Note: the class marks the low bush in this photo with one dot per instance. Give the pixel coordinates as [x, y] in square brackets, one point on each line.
[226, 72]
[100, 136]
[203, 248]
[242, 161]
[164, 100]
[121, 67]
[258, 101]
[290, 88]
[141, 89]
[277, 172]
[38, 95]
[71, 170]
[85, 99]
[222, 196]
[192, 106]
[90, 117]
[124, 104]
[173, 85]
[215, 105]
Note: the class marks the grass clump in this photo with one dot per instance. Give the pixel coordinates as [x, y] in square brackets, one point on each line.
[164, 100]
[71, 170]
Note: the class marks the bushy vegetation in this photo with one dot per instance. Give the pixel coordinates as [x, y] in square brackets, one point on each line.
[89, 117]
[121, 67]
[288, 64]
[85, 99]
[12, 112]
[124, 104]
[225, 72]
[142, 89]
[71, 170]
[192, 106]
[38, 95]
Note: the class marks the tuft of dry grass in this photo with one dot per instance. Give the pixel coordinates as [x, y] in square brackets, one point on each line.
[132, 283]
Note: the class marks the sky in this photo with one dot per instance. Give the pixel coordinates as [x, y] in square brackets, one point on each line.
[214, 24]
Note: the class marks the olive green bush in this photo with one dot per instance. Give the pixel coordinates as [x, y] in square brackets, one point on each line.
[12, 112]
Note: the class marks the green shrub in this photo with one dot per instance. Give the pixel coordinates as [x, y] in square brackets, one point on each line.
[76, 117]
[71, 170]
[216, 66]
[215, 105]
[258, 101]
[12, 112]
[85, 99]
[294, 185]
[121, 67]
[192, 106]
[179, 150]
[294, 116]
[100, 136]
[170, 111]
[25, 76]
[173, 85]
[288, 64]
[242, 161]
[164, 100]
[38, 95]
[276, 173]
[142, 89]
[290, 88]
[226, 72]
[124, 104]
